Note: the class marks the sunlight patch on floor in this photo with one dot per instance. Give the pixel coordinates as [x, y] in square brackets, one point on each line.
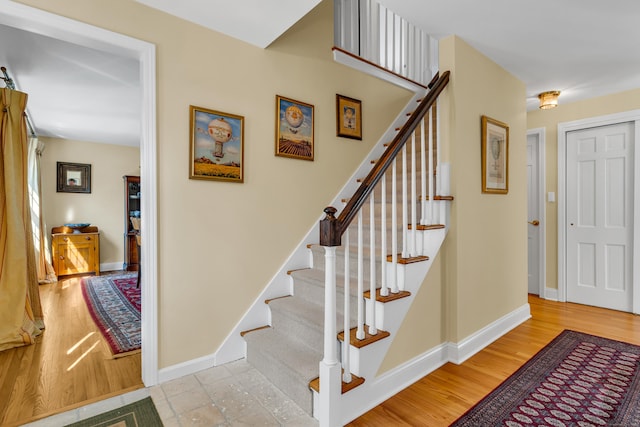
[76, 345]
[83, 356]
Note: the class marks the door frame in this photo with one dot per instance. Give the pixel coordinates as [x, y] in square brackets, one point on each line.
[563, 129]
[38, 21]
[542, 207]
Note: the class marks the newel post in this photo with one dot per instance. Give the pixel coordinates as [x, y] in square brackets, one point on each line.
[330, 228]
[330, 369]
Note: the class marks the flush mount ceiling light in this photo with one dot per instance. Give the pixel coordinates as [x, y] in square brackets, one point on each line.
[549, 99]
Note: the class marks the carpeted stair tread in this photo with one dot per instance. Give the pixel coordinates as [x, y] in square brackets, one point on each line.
[300, 318]
[315, 277]
[286, 362]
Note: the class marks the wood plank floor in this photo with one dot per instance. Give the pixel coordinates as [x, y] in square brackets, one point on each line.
[69, 366]
[441, 397]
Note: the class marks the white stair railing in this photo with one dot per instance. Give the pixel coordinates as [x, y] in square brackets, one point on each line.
[370, 31]
[333, 228]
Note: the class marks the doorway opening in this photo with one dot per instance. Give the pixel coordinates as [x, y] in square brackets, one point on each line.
[34, 20]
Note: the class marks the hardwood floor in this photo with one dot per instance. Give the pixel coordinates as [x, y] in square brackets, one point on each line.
[441, 397]
[69, 366]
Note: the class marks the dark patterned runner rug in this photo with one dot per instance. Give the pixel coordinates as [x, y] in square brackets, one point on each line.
[114, 304]
[576, 380]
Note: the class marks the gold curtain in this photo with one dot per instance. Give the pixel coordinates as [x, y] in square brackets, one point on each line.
[46, 273]
[21, 317]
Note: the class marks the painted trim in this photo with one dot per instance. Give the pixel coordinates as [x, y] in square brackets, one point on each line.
[551, 294]
[590, 122]
[370, 69]
[185, 368]
[358, 402]
[38, 21]
[475, 342]
[110, 266]
[542, 205]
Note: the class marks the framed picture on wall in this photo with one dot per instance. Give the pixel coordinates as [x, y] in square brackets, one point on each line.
[495, 156]
[73, 178]
[348, 117]
[216, 145]
[294, 129]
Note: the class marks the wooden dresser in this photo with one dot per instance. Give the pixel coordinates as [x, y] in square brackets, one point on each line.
[75, 253]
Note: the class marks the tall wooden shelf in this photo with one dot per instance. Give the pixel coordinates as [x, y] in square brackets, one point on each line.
[131, 209]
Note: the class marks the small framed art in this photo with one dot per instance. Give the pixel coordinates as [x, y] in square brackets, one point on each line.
[348, 117]
[294, 129]
[216, 145]
[73, 178]
[495, 156]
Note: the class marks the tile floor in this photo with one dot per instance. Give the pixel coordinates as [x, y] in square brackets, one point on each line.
[234, 394]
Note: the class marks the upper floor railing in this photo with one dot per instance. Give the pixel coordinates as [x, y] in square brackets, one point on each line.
[372, 32]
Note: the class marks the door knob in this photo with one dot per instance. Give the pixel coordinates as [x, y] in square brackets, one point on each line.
[535, 222]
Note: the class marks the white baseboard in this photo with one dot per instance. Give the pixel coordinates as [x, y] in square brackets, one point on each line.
[111, 266]
[390, 383]
[185, 368]
[461, 351]
[551, 294]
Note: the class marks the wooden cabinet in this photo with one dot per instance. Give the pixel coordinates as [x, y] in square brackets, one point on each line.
[131, 209]
[75, 252]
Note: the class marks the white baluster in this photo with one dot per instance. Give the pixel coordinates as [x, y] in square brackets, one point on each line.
[346, 342]
[330, 377]
[431, 174]
[372, 264]
[384, 290]
[360, 331]
[394, 229]
[405, 214]
[414, 220]
[423, 176]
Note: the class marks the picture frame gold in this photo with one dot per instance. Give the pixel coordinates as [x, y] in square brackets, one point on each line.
[348, 117]
[495, 156]
[73, 177]
[216, 145]
[294, 129]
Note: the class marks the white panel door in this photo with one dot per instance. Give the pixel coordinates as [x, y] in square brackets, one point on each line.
[533, 215]
[600, 216]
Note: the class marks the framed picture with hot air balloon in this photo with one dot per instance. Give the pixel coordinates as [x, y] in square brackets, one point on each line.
[495, 156]
[216, 145]
[294, 129]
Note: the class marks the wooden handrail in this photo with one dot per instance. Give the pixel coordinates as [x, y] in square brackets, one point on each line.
[332, 228]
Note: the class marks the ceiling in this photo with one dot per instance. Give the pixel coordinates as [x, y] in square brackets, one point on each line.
[584, 48]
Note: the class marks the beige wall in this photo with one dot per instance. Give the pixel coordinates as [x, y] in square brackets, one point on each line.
[549, 120]
[480, 273]
[220, 243]
[104, 206]
[486, 250]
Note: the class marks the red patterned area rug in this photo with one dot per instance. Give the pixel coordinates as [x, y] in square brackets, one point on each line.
[576, 380]
[114, 304]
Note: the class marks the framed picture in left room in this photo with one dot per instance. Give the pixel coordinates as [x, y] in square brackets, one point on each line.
[73, 177]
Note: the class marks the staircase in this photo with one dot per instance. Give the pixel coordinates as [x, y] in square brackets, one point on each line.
[357, 272]
[381, 244]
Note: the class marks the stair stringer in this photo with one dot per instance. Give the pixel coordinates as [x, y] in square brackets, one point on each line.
[258, 314]
[366, 361]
